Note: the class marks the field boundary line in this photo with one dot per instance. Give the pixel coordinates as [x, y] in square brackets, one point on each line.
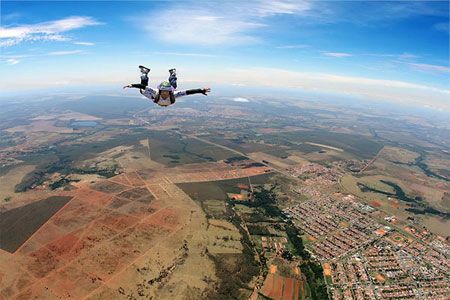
[45, 223]
[105, 283]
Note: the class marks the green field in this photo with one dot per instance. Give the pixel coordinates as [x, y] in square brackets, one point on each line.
[217, 190]
[171, 149]
[244, 146]
[357, 145]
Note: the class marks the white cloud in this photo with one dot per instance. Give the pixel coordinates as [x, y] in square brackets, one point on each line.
[377, 89]
[186, 54]
[7, 43]
[404, 55]
[84, 43]
[380, 13]
[336, 54]
[12, 61]
[444, 26]
[300, 46]
[70, 52]
[240, 99]
[11, 17]
[430, 68]
[208, 18]
[200, 27]
[269, 8]
[221, 23]
[407, 56]
[15, 59]
[45, 31]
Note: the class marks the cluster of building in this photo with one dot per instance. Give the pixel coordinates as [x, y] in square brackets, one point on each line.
[352, 165]
[313, 174]
[382, 261]
[357, 293]
[337, 226]
[341, 243]
[6, 161]
[349, 272]
[386, 271]
[312, 221]
[435, 290]
[366, 259]
[440, 245]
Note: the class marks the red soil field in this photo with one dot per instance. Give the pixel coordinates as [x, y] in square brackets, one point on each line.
[36, 291]
[91, 196]
[394, 203]
[288, 290]
[135, 209]
[19, 224]
[45, 234]
[268, 284]
[124, 221]
[41, 262]
[108, 217]
[63, 245]
[70, 282]
[166, 217]
[86, 243]
[281, 288]
[109, 187]
[375, 203]
[135, 179]
[297, 289]
[117, 203]
[122, 179]
[17, 285]
[92, 238]
[277, 291]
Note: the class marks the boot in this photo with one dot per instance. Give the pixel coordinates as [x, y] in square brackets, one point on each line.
[144, 70]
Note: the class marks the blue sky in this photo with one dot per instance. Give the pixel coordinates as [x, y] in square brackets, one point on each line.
[391, 51]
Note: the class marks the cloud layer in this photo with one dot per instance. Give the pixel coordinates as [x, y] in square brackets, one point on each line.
[375, 89]
[15, 59]
[45, 31]
[336, 54]
[225, 24]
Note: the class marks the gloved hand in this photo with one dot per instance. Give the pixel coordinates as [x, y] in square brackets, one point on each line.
[205, 91]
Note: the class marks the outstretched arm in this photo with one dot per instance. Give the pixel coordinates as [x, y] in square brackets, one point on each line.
[203, 91]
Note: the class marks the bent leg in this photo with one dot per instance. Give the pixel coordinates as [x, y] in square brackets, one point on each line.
[144, 79]
[173, 80]
[142, 85]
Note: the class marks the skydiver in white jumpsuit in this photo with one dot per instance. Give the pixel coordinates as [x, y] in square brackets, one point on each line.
[166, 92]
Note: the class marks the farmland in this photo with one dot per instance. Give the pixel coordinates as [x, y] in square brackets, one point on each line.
[129, 206]
[18, 224]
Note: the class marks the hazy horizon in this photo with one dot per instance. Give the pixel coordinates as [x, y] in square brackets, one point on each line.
[394, 52]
